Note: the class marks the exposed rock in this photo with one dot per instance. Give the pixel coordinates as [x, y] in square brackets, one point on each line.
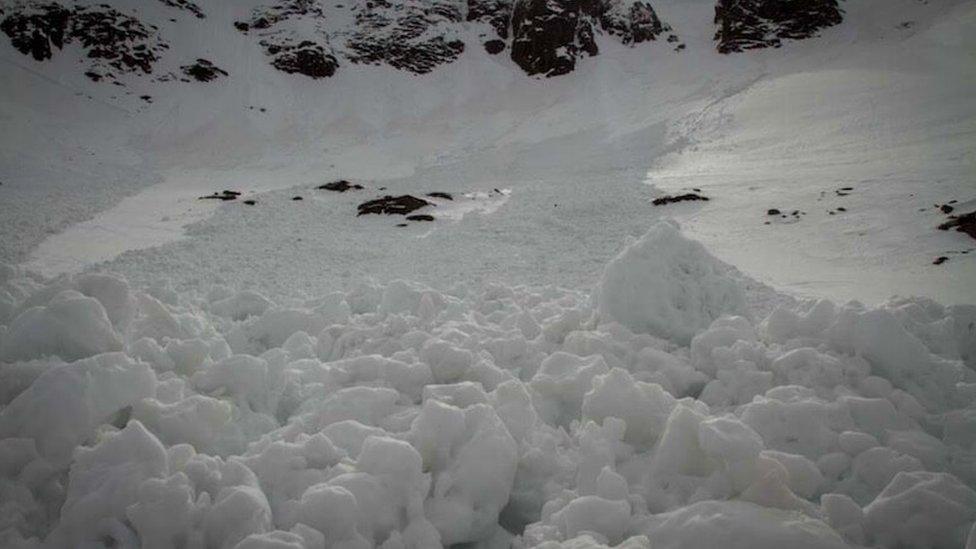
[297, 198]
[224, 195]
[340, 186]
[390, 205]
[420, 217]
[250, 202]
[294, 37]
[633, 22]
[406, 34]
[185, 5]
[940, 260]
[965, 223]
[305, 58]
[772, 211]
[549, 35]
[678, 198]
[751, 24]
[203, 71]
[494, 47]
[34, 28]
[496, 13]
[438, 194]
[113, 41]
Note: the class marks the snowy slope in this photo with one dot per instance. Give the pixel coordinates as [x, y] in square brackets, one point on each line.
[547, 363]
[728, 122]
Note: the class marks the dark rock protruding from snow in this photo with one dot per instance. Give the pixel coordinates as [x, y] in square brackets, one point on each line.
[549, 36]
[203, 71]
[35, 28]
[393, 205]
[496, 13]
[224, 195]
[114, 42]
[186, 5]
[340, 186]
[751, 24]
[292, 35]
[633, 22]
[406, 34]
[546, 37]
[689, 197]
[306, 58]
[965, 223]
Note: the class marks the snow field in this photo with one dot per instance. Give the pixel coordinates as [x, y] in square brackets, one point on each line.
[658, 412]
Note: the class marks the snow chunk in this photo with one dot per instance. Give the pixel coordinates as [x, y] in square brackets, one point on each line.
[667, 285]
[104, 481]
[921, 509]
[71, 326]
[65, 404]
[739, 525]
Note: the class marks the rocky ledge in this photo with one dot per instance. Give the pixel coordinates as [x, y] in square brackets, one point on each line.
[113, 42]
[315, 38]
[751, 24]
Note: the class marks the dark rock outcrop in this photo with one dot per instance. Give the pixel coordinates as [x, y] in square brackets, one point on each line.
[292, 34]
[546, 37]
[393, 205]
[35, 28]
[751, 24]
[634, 22]
[114, 42]
[186, 5]
[224, 195]
[407, 35]
[549, 36]
[306, 58]
[203, 71]
[496, 13]
[340, 186]
[689, 197]
[964, 223]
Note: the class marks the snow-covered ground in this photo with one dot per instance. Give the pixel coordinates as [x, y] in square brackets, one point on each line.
[548, 363]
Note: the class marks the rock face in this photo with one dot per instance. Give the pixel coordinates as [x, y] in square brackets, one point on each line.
[549, 36]
[114, 43]
[186, 5]
[34, 29]
[751, 24]
[546, 37]
[412, 35]
[315, 38]
[293, 35]
[203, 71]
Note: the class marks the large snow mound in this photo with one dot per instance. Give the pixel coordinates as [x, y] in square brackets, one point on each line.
[658, 414]
[666, 285]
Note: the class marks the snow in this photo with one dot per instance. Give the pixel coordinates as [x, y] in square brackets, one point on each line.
[552, 363]
[429, 419]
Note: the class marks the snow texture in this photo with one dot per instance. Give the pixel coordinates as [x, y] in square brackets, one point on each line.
[401, 416]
